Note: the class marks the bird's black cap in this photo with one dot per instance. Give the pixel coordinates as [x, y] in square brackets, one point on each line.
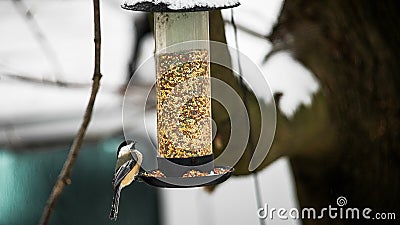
[125, 143]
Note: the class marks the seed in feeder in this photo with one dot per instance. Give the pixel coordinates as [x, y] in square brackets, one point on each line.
[194, 173]
[218, 171]
[154, 173]
[184, 104]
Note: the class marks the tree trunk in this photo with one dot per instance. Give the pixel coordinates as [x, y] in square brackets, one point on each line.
[353, 48]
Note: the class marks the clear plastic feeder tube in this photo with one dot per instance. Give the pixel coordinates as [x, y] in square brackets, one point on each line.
[183, 84]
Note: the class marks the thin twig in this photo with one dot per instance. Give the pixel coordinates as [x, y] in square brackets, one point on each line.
[276, 47]
[247, 30]
[244, 92]
[241, 80]
[41, 38]
[62, 84]
[48, 82]
[64, 177]
[257, 191]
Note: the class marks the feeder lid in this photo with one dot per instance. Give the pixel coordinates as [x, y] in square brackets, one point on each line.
[178, 5]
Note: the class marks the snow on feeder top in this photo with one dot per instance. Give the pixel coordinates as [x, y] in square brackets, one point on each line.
[178, 5]
[184, 125]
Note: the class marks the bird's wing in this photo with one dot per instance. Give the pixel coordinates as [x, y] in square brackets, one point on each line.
[122, 172]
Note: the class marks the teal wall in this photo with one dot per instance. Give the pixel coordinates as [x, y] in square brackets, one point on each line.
[27, 177]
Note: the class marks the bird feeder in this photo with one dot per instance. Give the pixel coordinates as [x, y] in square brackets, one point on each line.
[183, 87]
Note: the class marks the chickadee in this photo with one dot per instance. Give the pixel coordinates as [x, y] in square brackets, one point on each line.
[126, 171]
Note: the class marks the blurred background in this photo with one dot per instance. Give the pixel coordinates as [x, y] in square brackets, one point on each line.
[46, 63]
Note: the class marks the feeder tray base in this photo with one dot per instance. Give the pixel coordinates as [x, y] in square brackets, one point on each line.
[177, 167]
[188, 182]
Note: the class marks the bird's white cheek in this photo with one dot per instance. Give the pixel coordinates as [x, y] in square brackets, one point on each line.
[123, 151]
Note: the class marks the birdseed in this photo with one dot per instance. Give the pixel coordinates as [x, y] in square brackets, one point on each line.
[184, 104]
[155, 173]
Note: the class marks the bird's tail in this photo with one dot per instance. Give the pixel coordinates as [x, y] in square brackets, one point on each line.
[115, 204]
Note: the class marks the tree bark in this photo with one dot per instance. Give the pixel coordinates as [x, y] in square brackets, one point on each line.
[356, 63]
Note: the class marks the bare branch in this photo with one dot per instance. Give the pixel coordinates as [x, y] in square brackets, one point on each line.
[31, 79]
[62, 84]
[276, 47]
[248, 31]
[64, 177]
